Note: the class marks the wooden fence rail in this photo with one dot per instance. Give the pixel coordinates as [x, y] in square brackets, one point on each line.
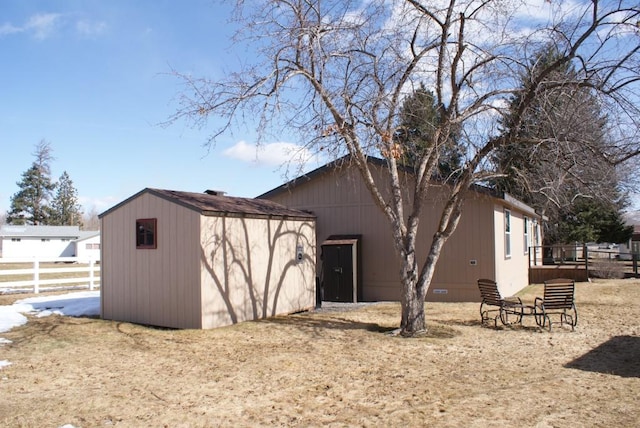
[65, 274]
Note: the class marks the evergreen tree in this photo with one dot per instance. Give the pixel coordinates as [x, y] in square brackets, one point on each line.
[66, 211]
[590, 220]
[416, 134]
[30, 205]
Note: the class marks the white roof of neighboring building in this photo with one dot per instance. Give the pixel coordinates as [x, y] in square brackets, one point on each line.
[88, 234]
[30, 231]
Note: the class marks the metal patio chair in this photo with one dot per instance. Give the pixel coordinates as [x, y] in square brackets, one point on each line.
[503, 307]
[558, 299]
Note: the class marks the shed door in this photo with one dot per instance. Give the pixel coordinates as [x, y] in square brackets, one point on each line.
[337, 269]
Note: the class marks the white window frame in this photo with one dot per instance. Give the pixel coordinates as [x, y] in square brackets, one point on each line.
[507, 233]
[525, 221]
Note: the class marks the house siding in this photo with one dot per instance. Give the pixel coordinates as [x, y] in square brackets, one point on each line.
[35, 246]
[343, 205]
[509, 269]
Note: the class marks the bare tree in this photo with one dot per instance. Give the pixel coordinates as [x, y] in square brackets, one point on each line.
[90, 220]
[338, 72]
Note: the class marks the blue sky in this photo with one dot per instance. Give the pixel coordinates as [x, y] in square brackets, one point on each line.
[93, 79]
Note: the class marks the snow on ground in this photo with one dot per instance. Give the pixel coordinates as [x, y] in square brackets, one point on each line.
[85, 303]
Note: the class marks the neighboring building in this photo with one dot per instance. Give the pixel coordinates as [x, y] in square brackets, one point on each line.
[19, 241]
[88, 245]
[632, 218]
[203, 260]
[357, 260]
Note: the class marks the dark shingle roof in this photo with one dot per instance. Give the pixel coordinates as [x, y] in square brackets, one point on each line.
[208, 204]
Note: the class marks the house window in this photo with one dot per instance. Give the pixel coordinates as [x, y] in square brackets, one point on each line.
[45, 239]
[526, 235]
[92, 246]
[146, 236]
[507, 233]
[16, 239]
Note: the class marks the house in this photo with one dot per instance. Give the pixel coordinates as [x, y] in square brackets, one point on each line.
[19, 241]
[88, 245]
[357, 261]
[204, 260]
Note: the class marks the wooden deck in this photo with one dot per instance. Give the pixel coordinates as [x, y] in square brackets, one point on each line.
[540, 274]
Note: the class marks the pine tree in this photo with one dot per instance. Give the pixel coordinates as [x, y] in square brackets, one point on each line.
[30, 205]
[66, 211]
[590, 220]
[416, 133]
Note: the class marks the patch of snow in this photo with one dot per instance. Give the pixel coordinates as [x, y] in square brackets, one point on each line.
[10, 317]
[4, 363]
[80, 304]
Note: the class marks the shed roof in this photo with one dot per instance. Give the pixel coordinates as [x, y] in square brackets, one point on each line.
[32, 231]
[216, 204]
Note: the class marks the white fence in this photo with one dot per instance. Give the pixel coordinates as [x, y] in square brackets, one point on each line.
[37, 284]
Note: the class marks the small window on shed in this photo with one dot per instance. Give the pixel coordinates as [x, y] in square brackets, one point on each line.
[146, 237]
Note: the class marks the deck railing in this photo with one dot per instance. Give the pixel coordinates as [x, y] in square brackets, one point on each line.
[582, 255]
[37, 274]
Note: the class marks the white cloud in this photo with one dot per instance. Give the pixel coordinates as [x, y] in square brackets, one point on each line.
[7, 28]
[272, 154]
[89, 28]
[43, 25]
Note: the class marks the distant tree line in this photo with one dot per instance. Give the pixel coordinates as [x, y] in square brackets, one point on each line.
[40, 200]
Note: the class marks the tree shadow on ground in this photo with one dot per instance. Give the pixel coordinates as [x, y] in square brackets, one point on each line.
[337, 322]
[618, 356]
[333, 322]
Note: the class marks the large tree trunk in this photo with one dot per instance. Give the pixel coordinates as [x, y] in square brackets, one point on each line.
[415, 282]
[413, 322]
[413, 318]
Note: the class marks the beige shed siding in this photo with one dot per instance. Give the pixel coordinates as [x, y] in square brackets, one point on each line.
[511, 272]
[152, 286]
[250, 271]
[343, 205]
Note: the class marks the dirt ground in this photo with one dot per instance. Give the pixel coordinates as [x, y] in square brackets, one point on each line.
[332, 368]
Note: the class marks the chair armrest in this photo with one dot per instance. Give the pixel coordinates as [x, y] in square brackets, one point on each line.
[538, 301]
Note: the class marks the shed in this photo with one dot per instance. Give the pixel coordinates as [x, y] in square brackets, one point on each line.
[204, 260]
[355, 247]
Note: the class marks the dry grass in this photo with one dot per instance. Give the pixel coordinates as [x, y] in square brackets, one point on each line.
[332, 369]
